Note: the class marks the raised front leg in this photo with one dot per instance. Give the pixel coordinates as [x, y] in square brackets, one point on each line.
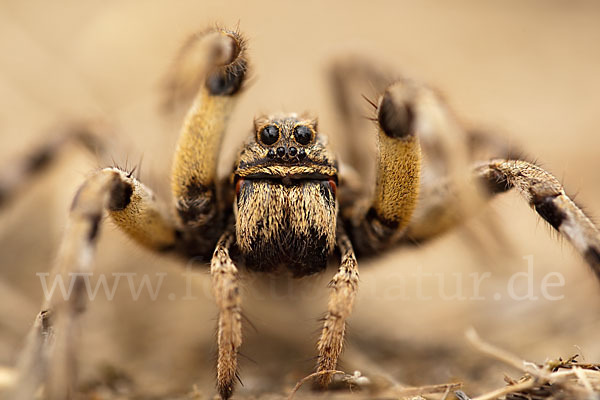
[353, 81]
[218, 56]
[381, 222]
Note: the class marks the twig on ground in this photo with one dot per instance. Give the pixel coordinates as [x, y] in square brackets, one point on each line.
[311, 376]
[537, 376]
[503, 355]
[429, 389]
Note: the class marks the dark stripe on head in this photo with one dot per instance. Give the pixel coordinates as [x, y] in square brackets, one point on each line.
[544, 205]
[289, 162]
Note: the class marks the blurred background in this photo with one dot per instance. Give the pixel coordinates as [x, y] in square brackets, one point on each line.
[528, 71]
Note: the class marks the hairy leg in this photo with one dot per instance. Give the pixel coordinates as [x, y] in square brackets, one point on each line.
[379, 224]
[217, 59]
[32, 366]
[229, 332]
[20, 173]
[50, 355]
[547, 197]
[353, 81]
[544, 193]
[138, 213]
[344, 286]
[448, 150]
[447, 194]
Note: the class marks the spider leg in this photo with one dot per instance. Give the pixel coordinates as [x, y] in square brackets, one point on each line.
[446, 193]
[50, 353]
[135, 209]
[32, 364]
[544, 193]
[229, 334]
[547, 197]
[355, 82]
[447, 148]
[218, 57]
[344, 287]
[379, 224]
[18, 174]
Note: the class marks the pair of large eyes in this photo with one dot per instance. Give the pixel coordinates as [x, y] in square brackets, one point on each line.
[270, 134]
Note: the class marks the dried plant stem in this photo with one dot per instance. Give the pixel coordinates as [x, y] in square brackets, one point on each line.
[528, 384]
[430, 389]
[309, 377]
[535, 376]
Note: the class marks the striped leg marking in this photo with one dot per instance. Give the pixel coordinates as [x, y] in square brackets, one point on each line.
[547, 196]
[50, 354]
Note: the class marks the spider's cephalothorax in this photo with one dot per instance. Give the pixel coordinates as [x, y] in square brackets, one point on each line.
[286, 206]
[284, 210]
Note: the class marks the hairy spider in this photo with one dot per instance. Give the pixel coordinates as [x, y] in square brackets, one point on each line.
[289, 204]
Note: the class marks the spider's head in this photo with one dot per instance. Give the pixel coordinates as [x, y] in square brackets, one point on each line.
[286, 180]
[287, 148]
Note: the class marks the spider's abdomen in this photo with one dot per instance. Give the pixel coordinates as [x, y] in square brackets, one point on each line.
[290, 225]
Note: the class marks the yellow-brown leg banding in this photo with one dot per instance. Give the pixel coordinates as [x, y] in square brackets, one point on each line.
[344, 286]
[229, 332]
[18, 174]
[51, 352]
[547, 197]
[353, 81]
[135, 209]
[398, 170]
[221, 68]
[33, 360]
[59, 314]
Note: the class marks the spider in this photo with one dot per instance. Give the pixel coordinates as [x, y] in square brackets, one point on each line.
[289, 205]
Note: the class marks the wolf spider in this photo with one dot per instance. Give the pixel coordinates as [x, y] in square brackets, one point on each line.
[288, 203]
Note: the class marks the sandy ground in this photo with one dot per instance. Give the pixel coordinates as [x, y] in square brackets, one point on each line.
[527, 70]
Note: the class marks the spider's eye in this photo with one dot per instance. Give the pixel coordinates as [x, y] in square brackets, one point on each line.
[303, 134]
[269, 134]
